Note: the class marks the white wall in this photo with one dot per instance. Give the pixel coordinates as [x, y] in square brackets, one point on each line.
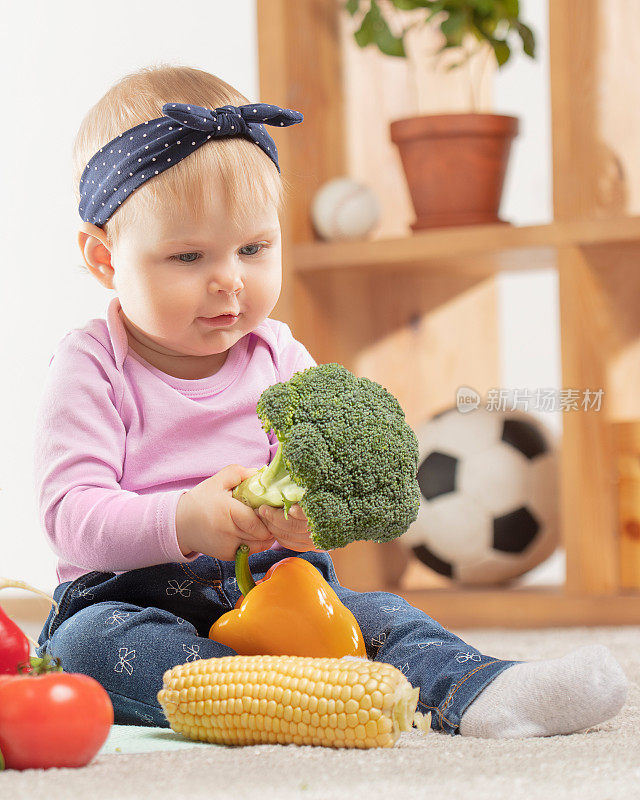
[529, 321]
[530, 350]
[58, 59]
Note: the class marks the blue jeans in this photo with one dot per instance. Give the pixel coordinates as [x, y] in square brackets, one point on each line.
[126, 630]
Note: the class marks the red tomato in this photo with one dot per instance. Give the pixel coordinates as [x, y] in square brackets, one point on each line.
[59, 719]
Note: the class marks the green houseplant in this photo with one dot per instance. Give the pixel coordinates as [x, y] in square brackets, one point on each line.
[454, 163]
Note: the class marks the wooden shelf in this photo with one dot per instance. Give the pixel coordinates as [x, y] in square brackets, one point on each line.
[522, 607]
[437, 327]
[473, 250]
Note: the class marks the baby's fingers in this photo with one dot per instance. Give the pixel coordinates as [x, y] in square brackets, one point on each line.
[291, 532]
[294, 522]
[248, 523]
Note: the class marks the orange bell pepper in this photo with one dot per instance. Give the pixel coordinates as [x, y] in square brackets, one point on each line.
[292, 611]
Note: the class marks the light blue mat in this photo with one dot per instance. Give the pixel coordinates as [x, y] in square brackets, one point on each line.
[143, 739]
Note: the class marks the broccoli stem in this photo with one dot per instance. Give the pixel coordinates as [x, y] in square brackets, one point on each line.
[271, 485]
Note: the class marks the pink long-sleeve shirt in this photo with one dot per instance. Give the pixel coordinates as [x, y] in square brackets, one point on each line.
[117, 441]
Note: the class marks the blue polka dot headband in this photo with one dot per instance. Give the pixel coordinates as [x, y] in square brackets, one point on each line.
[137, 155]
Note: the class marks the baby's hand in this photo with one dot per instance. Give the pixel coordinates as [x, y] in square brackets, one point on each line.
[210, 521]
[292, 532]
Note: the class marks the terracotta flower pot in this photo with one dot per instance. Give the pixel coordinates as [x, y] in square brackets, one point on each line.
[455, 166]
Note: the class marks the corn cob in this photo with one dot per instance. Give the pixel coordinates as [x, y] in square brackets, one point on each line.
[244, 700]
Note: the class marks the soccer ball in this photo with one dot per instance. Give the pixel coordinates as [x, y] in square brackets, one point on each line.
[489, 507]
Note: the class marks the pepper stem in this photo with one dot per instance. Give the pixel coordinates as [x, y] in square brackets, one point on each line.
[244, 577]
[41, 666]
[7, 583]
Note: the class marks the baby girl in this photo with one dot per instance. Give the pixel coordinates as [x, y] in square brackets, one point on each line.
[147, 422]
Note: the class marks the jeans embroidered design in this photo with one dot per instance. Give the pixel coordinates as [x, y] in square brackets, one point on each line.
[125, 656]
[392, 609]
[430, 644]
[193, 650]
[462, 658]
[117, 618]
[179, 588]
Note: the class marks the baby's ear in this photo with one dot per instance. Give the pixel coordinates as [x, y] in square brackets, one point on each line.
[94, 247]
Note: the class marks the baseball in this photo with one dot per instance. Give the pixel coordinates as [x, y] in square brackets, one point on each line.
[344, 209]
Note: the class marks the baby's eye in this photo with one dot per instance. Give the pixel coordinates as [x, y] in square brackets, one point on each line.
[249, 246]
[188, 260]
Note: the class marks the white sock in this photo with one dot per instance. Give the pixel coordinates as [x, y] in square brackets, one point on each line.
[545, 698]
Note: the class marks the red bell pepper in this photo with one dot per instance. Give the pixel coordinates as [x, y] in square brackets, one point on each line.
[14, 644]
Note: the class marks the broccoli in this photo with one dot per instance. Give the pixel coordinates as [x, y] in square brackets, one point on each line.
[346, 455]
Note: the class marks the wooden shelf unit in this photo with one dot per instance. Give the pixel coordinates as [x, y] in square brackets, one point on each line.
[480, 250]
[402, 309]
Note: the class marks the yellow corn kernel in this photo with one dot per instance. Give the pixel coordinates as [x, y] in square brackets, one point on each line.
[329, 702]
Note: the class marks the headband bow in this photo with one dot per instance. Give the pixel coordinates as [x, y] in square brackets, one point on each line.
[142, 152]
[205, 119]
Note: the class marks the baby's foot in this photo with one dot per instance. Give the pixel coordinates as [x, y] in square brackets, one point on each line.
[545, 698]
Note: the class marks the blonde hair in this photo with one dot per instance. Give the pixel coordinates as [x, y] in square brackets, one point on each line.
[248, 177]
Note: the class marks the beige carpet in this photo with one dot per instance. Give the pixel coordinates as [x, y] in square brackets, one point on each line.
[601, 764]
